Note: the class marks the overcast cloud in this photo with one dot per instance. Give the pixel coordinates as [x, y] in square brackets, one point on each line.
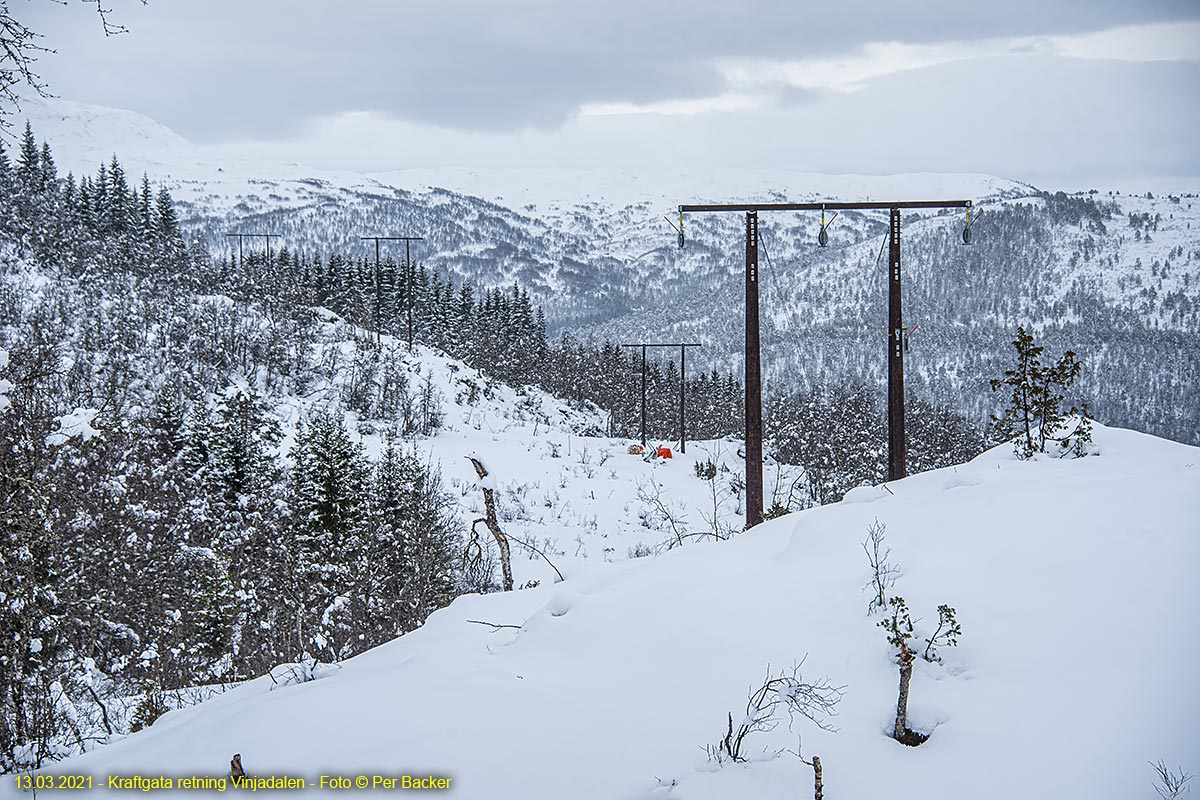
[1042, 90]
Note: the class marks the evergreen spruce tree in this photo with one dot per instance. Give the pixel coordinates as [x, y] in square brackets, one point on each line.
[118, 202]
[240, 447]
[166, 220]
[7, 194]
[29, 174]
[329, 512]
[408, 562]
[48, 172]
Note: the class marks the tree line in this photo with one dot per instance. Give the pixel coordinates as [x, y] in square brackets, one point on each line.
[179, 547]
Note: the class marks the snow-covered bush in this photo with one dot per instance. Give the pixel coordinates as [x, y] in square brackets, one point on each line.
[947, 633]
[150, 706]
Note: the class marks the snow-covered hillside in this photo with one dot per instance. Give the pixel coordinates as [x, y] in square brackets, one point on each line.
[1071, 579]
[1115, 277]
[555, 192]
[561, 485]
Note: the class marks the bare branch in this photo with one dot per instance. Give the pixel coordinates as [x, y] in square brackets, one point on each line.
[493, 625]
[883, 572]
[816, 702]
[1170, 785]
[540, 553]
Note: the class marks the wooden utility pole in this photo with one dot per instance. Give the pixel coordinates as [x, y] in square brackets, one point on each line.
[407, 278]
[683, 346]
[752, 410]
[897, 464]
[895, 337]
[240, 236]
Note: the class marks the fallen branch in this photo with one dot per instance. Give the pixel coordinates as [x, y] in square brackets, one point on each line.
[493, 625]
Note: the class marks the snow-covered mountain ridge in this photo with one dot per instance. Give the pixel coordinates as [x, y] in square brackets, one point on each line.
[1114, 276]
[1057, 569]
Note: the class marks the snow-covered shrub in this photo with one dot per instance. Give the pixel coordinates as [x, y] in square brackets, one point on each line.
[898, 626]
[640, 550]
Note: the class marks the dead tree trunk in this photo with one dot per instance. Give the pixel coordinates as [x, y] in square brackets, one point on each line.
[493, 525]
[818, 787]
[906, 662]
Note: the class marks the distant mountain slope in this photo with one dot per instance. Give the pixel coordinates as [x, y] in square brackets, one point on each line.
[1072, 669]
[1115, 277]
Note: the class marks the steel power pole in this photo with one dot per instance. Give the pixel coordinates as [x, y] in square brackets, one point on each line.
[683, 346]
[407, 278]
[266, 236]
[895, 338]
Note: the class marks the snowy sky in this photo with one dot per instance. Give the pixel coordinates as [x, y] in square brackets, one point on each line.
[1063, 93]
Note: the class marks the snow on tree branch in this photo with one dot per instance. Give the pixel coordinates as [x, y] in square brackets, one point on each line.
[77, 423]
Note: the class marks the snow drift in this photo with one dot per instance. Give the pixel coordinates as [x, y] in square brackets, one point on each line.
[1073, 581]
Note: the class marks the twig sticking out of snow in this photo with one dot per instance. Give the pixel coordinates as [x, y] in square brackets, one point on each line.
[816, 702]
[493, 625]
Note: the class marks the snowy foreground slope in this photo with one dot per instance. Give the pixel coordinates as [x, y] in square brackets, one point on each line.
[1073, 580]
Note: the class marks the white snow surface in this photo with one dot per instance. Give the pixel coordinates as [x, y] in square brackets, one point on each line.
[1073, 581]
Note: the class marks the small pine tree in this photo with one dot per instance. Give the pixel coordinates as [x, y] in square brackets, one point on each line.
[151, 706]
[1034, 416]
